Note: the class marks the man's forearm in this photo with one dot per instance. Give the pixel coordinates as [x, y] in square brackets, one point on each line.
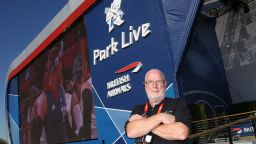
[141, 127]
[174, 131]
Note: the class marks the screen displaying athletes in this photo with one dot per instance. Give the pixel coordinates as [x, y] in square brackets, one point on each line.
[56, 101]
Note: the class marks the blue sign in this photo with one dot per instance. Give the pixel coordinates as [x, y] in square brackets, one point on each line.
[126, 38]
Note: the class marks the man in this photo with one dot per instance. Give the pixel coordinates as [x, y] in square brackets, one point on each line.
[161, 120]
[49, 124]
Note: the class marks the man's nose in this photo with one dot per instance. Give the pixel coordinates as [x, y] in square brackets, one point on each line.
[154, 84]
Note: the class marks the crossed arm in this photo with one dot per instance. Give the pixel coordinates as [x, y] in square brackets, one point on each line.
[162, 124]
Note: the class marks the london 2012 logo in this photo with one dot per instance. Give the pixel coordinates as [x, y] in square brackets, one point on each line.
[114, 15]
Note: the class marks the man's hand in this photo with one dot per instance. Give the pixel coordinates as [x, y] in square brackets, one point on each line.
[135, 117]
[170, 129]
[139, 126]
[167, 118]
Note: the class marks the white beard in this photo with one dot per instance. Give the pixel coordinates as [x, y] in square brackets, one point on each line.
[156, 98]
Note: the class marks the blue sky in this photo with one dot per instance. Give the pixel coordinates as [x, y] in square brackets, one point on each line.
[21, 22]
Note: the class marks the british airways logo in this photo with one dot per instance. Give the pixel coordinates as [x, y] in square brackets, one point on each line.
[114, 15]
[135, 65]
[122, 84]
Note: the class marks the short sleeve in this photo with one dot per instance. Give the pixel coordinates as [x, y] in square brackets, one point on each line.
[135, 110]
[182, 113]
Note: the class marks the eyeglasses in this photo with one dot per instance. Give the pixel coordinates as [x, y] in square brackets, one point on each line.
[158, 82]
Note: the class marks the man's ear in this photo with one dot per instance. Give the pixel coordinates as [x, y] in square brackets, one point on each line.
[165, 83]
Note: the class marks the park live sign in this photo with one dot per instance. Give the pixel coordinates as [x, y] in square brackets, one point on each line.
[125, 39]
[114, 17]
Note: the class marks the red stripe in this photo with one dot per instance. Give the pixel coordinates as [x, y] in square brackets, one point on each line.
[70, 19]
[236, 129]
[126, 68]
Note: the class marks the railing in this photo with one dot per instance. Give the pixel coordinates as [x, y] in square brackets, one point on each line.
[219, 128]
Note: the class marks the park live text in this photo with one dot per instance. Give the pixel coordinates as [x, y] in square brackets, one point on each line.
[133, 36]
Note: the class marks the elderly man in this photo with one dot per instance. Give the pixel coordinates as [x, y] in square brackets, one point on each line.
[160, 120]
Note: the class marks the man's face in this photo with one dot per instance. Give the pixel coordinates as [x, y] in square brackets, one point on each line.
[155, 86]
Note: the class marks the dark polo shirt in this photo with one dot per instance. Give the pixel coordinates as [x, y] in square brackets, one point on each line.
[176, 107]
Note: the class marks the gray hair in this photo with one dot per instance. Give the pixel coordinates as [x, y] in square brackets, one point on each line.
[155, 70]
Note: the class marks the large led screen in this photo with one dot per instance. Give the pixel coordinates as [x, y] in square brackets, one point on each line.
[56, 101]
